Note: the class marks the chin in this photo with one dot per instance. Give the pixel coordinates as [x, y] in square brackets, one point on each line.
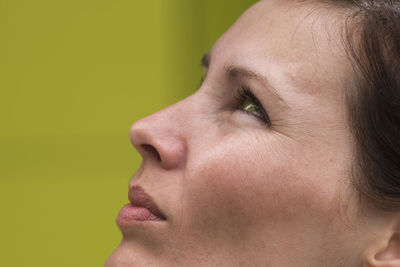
[127, 256]
[120, 258]
[116, 259]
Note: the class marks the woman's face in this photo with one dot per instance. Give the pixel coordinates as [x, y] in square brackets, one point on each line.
[253, 168]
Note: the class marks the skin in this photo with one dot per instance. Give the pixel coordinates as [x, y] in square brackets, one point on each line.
[238, 193]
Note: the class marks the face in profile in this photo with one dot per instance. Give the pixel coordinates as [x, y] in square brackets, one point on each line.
[253, 168]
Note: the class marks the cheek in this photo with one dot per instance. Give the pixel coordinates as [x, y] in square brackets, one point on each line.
[238, 187]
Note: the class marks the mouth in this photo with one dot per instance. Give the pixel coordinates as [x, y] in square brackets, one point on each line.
[141, 208]
[139, 198]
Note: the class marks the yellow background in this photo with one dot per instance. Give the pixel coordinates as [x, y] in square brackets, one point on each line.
[74, 75]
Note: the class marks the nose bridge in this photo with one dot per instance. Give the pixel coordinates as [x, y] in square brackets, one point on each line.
[162, 136]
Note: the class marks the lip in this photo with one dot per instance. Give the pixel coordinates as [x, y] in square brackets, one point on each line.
[139, 198]
[141, 209]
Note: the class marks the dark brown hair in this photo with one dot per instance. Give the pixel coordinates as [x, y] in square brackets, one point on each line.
[372, 39]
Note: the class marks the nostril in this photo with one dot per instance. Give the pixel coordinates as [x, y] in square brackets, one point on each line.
[152, 151]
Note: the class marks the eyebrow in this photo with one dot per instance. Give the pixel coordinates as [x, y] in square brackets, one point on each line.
[205, 60]
[234, 71]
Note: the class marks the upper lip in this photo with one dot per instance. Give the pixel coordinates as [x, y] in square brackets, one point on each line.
[139, 198]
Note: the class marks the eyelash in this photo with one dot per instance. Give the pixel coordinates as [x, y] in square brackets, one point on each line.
[244, 94]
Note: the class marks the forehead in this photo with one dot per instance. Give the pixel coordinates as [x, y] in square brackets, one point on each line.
[293, 42]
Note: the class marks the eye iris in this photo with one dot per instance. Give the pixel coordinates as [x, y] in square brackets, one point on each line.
[251, 108]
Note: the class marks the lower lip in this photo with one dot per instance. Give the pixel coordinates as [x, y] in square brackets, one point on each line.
[130, 213]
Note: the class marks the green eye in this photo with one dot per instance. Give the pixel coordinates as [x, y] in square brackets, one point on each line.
[252, 106]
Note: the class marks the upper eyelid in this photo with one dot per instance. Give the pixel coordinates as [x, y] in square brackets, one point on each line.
[233, 71]
[205, 62]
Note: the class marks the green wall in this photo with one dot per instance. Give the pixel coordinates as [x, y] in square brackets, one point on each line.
[74, 75]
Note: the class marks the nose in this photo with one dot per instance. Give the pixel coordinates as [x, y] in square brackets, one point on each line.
[161, 138]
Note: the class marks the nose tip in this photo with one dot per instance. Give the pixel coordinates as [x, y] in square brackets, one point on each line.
[159, 140]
